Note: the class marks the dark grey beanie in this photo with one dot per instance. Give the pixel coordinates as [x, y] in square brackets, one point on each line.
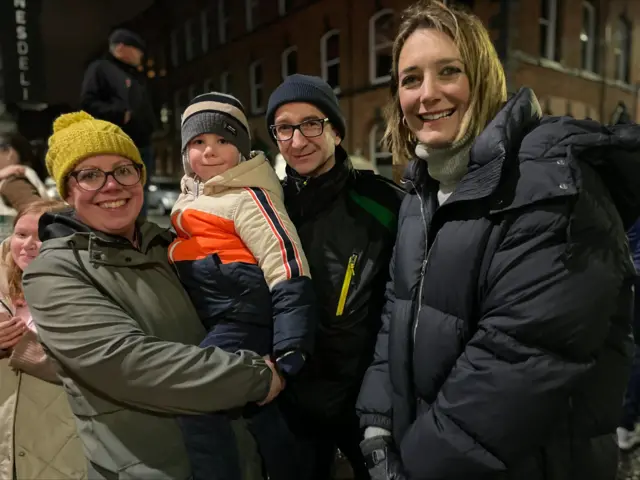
[307, 89]
[217, 113]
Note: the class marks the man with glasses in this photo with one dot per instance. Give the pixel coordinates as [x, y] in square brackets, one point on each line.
[346, 220]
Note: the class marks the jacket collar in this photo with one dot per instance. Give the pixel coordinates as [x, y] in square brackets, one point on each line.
[56, 229]
[130, 69]
[307, 196]
[497, 143]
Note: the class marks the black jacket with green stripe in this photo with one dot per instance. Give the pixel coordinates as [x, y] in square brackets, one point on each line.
[347, 221]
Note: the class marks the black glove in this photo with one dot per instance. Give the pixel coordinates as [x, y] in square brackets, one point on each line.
[381, 458]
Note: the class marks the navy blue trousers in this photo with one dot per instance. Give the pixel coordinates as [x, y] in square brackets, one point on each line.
[210, 440]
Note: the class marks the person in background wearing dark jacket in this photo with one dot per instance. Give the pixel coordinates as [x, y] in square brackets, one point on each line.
[628, 434]
[114, 90]
[506, 341]
[346, 220]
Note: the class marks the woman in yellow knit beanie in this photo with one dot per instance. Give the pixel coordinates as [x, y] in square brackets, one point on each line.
[111, 311]
[98, 171]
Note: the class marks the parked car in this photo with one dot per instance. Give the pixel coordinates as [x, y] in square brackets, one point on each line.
[163, 193]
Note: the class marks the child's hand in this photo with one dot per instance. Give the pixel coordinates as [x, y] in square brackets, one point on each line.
[277, 383]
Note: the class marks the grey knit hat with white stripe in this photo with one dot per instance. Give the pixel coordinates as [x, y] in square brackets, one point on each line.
[217, 113]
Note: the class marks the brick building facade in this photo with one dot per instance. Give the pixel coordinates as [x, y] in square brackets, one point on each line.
[575, 54]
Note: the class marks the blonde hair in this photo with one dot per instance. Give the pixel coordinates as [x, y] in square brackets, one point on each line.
[12, 271]
[487, 82]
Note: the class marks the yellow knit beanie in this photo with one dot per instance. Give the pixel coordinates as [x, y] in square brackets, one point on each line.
[77, 136]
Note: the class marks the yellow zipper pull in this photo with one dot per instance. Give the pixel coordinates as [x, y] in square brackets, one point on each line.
[351, 270]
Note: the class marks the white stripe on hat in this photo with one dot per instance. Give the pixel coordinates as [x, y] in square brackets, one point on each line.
[210, 106]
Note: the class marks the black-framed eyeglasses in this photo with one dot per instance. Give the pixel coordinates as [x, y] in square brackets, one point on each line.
[92, 179]
[308, 128]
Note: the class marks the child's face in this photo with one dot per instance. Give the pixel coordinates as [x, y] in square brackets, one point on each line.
[211, 155]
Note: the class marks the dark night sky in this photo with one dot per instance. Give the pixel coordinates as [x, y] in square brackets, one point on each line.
[72, 31]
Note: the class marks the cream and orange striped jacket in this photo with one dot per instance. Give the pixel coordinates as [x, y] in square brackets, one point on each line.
[239, 216]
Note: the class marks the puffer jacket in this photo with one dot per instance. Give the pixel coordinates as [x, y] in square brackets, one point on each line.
[125, 334]
[346, 220]
[38, 435]
[240, 258]
[506, 342]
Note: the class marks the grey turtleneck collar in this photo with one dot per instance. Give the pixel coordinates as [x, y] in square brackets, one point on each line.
[449, 164]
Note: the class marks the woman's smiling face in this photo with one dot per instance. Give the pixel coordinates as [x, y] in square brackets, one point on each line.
[433, 87]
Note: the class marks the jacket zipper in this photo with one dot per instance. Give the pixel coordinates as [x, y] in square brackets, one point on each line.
[351, 270]
[423, 269]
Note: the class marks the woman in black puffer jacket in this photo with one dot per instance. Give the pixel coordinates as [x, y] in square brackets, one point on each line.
[506, 344]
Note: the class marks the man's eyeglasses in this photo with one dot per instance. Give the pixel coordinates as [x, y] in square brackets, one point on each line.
[92, 179]
[308, 128]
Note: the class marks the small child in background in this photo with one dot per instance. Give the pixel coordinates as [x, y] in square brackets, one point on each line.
[239, 257]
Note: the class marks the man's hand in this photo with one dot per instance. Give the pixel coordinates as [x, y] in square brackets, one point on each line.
[277, 383]
[127, 117]
[381, 458]
[11, 330]
[10, 171]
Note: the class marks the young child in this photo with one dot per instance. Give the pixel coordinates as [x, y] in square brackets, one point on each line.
[239, 257]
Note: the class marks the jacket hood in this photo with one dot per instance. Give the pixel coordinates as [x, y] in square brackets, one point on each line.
[519, 131]
[612, 150]
[256, 172]
[57, 229]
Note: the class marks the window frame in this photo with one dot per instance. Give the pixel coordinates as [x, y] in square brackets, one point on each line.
[254, 86]
[374, 148]
[223, 22]
[224, 81]
[374, 48]
[204, 30]
[622, 56]
[551, 25]
[591, 32]
[249, 7]
[325, 64]
[284, 56]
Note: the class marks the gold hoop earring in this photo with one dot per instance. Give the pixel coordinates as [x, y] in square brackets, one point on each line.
[404, 121]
